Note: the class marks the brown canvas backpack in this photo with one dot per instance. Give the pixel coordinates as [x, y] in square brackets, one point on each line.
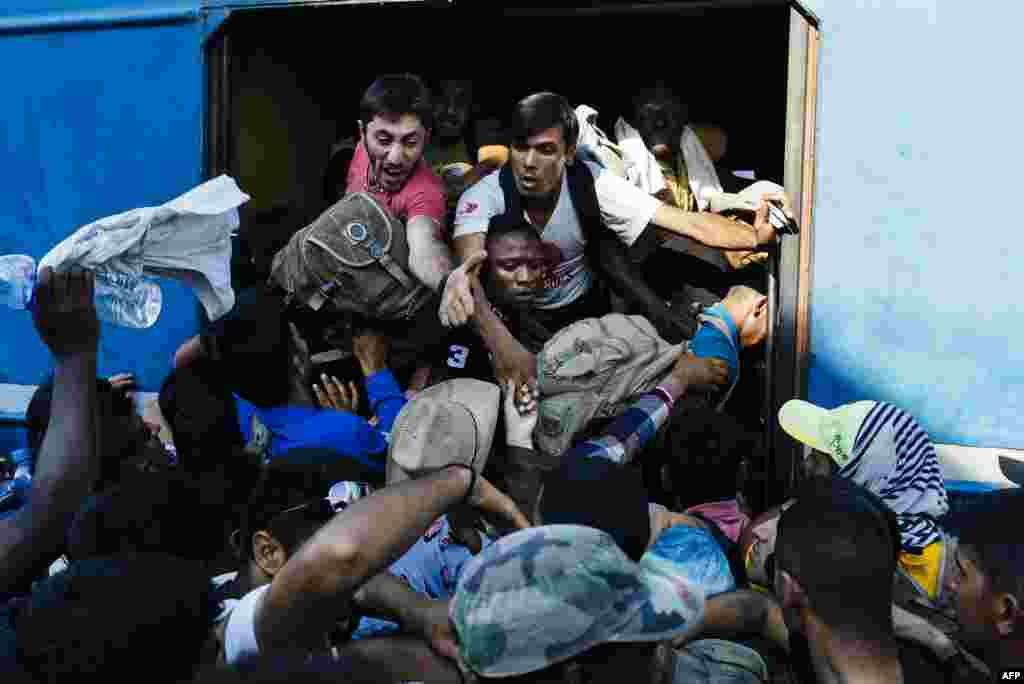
[354, 256]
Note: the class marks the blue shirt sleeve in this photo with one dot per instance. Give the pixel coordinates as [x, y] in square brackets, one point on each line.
[711, 342]
[386, 398]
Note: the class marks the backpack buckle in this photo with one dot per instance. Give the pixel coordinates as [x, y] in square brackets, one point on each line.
[356, 232]
[323, 293]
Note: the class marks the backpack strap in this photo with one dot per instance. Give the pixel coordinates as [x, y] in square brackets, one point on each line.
[584, 198]
[610, 258]
[605, 252]
[513, 201]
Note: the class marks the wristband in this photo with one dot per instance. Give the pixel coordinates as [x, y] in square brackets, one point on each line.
[472, 480]
[664, 394]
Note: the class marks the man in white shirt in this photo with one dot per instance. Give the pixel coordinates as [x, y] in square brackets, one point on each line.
[545, 132]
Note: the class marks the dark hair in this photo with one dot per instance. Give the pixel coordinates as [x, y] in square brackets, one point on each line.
[263, 234]
[841, 543]
[504, 225]
[659, 91]
[109, 617]
[202, 416]
[281, 487]
[541, 111]
[398, 94]
[581, 491]
[113, 405]
[999, 554]
[150, 513]
[711, 457]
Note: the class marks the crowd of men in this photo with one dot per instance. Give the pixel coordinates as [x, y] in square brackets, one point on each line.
[520, 458]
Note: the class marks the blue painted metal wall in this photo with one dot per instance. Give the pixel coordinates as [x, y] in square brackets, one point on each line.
[100, 116]
[916, 292]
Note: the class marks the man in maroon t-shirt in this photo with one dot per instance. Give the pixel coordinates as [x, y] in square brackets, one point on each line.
[396, 117]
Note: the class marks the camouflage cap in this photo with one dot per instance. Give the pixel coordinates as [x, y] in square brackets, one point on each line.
[546, 594]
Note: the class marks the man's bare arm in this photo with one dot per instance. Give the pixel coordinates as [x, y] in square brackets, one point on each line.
[386, 596]
[68, 461]
[457, 305]
[512, 360]
[401, 659]
[315, 584]
[711, 229]
[430, 259]
[468, 245]
[717, 231]
[742, 612]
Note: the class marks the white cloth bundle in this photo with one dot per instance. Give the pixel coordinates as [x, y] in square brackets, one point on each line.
[703, 178]
[188, 239]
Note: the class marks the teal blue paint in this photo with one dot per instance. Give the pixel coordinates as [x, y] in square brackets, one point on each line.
[86, 14]
[98, 122]
[916, 287]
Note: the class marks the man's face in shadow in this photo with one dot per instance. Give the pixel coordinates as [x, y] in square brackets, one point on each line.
[452, 105]
[660, 118]
[516, 266]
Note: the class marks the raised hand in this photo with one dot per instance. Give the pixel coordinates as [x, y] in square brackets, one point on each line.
[490, 500]
[331, 393]
[457, 305]
[520, 415]
[64, 313]
[700, 373]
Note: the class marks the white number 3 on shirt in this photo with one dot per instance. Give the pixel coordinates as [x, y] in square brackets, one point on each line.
[457, 356]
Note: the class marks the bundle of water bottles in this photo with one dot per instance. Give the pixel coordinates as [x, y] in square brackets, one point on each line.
[121, 298]
[187, 239]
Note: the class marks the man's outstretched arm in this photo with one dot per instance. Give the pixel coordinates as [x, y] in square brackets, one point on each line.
[711, 229]
[742, 612]
[717, 231]
[316, 583]
[68, 460]
[457, 305]
[430, 260]
[463, 301]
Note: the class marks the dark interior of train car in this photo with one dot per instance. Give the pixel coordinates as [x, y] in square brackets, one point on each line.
[294, 78]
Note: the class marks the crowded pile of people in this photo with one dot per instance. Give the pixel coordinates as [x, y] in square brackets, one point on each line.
[478, 420]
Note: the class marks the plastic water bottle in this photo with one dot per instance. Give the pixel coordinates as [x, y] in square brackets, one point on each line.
[121, 299]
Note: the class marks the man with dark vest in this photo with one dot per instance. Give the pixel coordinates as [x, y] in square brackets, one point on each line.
[592, 217]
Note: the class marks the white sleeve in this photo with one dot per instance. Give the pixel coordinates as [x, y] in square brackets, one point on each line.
[240, 632]
[478, 205]
[625, 208]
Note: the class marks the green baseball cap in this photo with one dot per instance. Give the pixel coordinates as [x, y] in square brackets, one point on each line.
[833, 432]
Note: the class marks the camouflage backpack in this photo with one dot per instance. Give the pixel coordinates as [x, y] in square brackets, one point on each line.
[355, 255]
